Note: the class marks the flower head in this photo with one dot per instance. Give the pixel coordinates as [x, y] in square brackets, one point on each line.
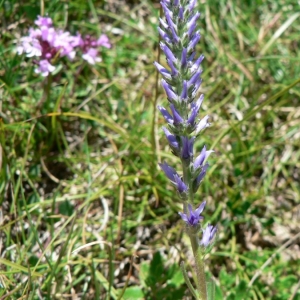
[88, 46]
[193, 217]
[48, 44]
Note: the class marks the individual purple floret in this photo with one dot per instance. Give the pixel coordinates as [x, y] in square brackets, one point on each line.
[171, 138]
[177, 117]
[193, 217]
[44, 68]
[91, 56]
[201, 158]
[187, 147]
[30, 46]
[174, 177]
[208, 235]
[194, 111]
[202, 124]
[43, 21]
[200, 177]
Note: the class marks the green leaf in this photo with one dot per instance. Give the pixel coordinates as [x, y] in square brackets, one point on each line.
[144, 273]
[133, 293]
[177, 279]
[241, 290]
[33, 260]
[66, 208]
[218, 294]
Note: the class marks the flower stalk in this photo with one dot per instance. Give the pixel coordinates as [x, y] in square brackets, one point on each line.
[181, 82]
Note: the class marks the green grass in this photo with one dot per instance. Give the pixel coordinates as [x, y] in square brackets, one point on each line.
[84, 210]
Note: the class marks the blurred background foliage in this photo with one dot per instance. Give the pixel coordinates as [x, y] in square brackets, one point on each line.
[84, 211]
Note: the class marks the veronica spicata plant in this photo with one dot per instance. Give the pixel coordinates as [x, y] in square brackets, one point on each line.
[181, 81]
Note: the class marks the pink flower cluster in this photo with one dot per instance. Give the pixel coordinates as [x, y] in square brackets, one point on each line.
[48, 44]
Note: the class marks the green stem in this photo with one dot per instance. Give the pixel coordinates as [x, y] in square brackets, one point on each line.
[201, 279]
[47, 91]
[187, 179]
[199, 264]
[187, 281]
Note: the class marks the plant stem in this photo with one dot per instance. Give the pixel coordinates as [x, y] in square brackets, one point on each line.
[47, 92]
[199, 264]
[201, 279]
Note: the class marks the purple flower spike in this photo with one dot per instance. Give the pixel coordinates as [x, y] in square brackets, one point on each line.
[208, 235]
[176, 116]
[166, 115]
[187, 147]
[194, 216]
[171, 138]
[181, 82]
[170, 93]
